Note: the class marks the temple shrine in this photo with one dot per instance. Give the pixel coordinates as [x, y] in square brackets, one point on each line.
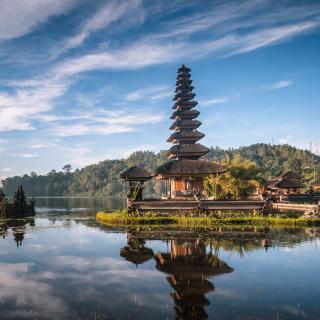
[184, 173]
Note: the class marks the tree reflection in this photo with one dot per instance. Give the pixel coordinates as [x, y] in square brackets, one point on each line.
[18, 228]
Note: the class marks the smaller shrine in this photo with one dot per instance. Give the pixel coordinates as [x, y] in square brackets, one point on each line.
[136, 177]
[19, 207]
[288, 183]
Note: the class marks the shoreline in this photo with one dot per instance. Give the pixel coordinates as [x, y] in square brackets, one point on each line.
[122, 219]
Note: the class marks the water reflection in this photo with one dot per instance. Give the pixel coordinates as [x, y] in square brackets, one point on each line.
[71, 267]
[189, 267]
[135, 251]
[17, 227]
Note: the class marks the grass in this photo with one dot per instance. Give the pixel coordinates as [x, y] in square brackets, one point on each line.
[122, 218]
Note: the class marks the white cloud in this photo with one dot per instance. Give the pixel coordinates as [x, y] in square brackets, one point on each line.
[34, 99]
[215, 101]
[152, 93]
[111, 12]
[147, 52]
[135, 56]
[281, 84]
[28, 155]
[18, 18]
[3, 141]
[270, 36]
[7, 169]
[30, 101]
[37, 146]
[103, 122]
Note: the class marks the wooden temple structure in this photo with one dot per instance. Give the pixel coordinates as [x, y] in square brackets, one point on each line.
[288, 183]
[184, 172]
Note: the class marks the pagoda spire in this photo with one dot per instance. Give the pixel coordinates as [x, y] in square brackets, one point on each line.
[185, 124]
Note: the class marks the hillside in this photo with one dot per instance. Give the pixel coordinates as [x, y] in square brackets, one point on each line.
[102, 178]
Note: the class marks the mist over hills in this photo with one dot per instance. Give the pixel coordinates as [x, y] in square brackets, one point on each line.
[102, 179]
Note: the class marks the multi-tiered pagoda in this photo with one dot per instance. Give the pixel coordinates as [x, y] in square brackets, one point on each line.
[185, 126]
[185, 173]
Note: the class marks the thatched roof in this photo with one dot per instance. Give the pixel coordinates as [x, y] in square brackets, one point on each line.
[290, 184]
[195, 149]
[183, 76]
[184, 86]
[183, 68]
[288, 180]
[186, 135]
[290, 175]
[136, 174]
[185, 114]
[193, 124]
[184, 104]
[190, 167]
[184, 95]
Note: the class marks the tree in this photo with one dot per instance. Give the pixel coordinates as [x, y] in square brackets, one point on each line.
[67, 168]
[238, 182]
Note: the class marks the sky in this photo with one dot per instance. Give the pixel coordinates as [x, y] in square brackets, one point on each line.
[87, 80]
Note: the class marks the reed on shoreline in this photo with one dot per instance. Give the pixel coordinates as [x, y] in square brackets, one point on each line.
[123, 218]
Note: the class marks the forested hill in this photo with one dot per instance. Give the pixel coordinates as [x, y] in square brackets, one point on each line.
[102, 178]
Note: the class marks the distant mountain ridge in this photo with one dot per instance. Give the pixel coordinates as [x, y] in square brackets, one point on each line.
[102, 179]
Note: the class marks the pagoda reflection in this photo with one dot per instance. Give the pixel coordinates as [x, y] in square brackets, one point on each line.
[18, 228]
[189, 267]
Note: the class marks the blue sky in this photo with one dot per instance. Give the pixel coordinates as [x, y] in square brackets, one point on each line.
[84, 80]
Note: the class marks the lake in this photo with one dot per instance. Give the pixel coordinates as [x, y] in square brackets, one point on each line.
[64, 265]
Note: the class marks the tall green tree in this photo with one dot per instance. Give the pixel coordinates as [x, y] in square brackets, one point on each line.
[241, 179]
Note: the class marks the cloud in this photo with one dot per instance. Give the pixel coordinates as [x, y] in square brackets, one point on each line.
[152, 93]
[37, 146]
[104, 122]
[3, 141]
[28, 155]
[135, 56]
[6, 170]
[112, 12]
[30, 100]
[281, 84]
[19, 284]
[147, 52]
[34, 100]
[215, 101]
[18, 18]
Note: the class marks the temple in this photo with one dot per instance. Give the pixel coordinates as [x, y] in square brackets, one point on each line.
[182, 177]
[288, 183]
[185, 173]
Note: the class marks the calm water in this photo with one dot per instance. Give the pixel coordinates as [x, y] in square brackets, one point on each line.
[64, 265]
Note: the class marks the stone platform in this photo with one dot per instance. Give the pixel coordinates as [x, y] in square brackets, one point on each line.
[176, 206]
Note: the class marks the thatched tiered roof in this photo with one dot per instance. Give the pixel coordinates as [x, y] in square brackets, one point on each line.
[136, 174]
[190, 168]
[288, 180]
[185, 136]
[185, 125]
